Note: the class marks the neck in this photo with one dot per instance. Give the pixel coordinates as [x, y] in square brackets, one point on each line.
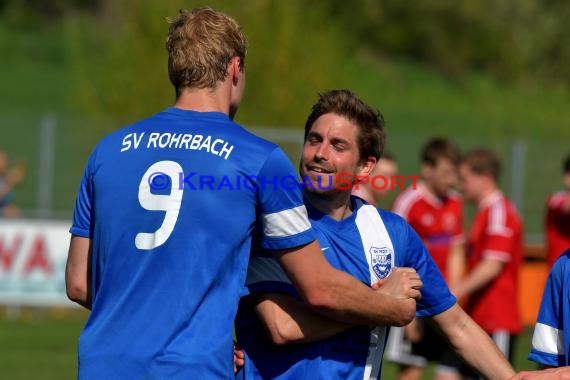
[486, 192]
[204, 99]
[337, 205]
[365, 193]
[430, 189]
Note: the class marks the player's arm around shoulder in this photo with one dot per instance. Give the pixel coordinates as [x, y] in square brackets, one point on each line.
[77, 271]
[472, 343]
[340, 296]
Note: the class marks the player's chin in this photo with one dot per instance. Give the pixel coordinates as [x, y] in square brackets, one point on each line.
[317, 191]
[320, 191]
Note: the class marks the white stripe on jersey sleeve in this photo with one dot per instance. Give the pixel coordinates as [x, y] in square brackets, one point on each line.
[265, 269]
[405, 201]
[498, 220]
[548, 339]
[285, 223]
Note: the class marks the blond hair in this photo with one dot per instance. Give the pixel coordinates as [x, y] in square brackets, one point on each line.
[200, 46]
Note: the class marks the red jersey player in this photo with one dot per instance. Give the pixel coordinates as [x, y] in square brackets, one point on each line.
[558, 219]
[494, 251]
[435, 211]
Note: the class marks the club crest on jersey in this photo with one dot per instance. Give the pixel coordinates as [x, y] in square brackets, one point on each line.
[381, 261]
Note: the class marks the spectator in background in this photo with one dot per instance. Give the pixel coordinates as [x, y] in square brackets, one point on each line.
[386, 167]
[10, 177]
[435, 211]
[558, 218]
[494, 251]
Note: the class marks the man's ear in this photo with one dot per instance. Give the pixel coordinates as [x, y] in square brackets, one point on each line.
[235, 70]
[368, 165]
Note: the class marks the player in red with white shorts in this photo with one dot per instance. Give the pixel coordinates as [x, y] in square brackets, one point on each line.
[494, 251]
[558, 219]
[435, 211]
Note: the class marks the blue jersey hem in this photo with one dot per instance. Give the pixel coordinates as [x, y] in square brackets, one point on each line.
[288, 242]
[438, 309]
[272, 287]
[81, 232]
[545, 359]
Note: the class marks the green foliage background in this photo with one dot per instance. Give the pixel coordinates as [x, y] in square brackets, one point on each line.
[289, 52]
[483, 73]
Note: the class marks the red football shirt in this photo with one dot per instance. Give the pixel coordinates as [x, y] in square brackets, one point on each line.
[438, 221]
[557, 226]
[496, 233]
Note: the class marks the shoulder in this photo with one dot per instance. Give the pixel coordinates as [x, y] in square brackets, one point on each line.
[406, 200]
[501, 217]
[394, 223]
[562, 265]
[556, 199]
[246, 138]
[500, 209]
[111, 140]
[455, 197]
[388, 218]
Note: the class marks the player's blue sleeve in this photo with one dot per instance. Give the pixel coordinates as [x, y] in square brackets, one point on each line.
[436, 297]
[548, 346]
[265, 275]
[283, 214]
[82, 214]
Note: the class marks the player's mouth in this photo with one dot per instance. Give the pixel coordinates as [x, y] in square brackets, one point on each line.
[318, 169]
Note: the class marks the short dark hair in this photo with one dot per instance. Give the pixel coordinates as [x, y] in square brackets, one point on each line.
[439, 148]
[566, 165]
[369, 121]
[483, 161]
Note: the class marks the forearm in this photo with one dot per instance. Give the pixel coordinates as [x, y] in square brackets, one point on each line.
[341, 297]
[84, 301]
[481, 276]
[290, 321]
[77, 290]
[473, 344]
[352, 302]
[78, 271]
[456, 265]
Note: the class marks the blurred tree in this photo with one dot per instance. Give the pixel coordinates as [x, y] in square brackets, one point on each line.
[513, 39]
[119, 58]
[52, 10]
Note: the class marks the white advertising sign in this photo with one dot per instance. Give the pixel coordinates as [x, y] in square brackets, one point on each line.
[32, 262]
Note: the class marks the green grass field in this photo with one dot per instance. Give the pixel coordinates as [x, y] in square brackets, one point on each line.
[42, 345]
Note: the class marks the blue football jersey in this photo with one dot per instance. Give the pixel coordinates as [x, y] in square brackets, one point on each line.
[368, 245]
[551, 338]
[170, 204]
